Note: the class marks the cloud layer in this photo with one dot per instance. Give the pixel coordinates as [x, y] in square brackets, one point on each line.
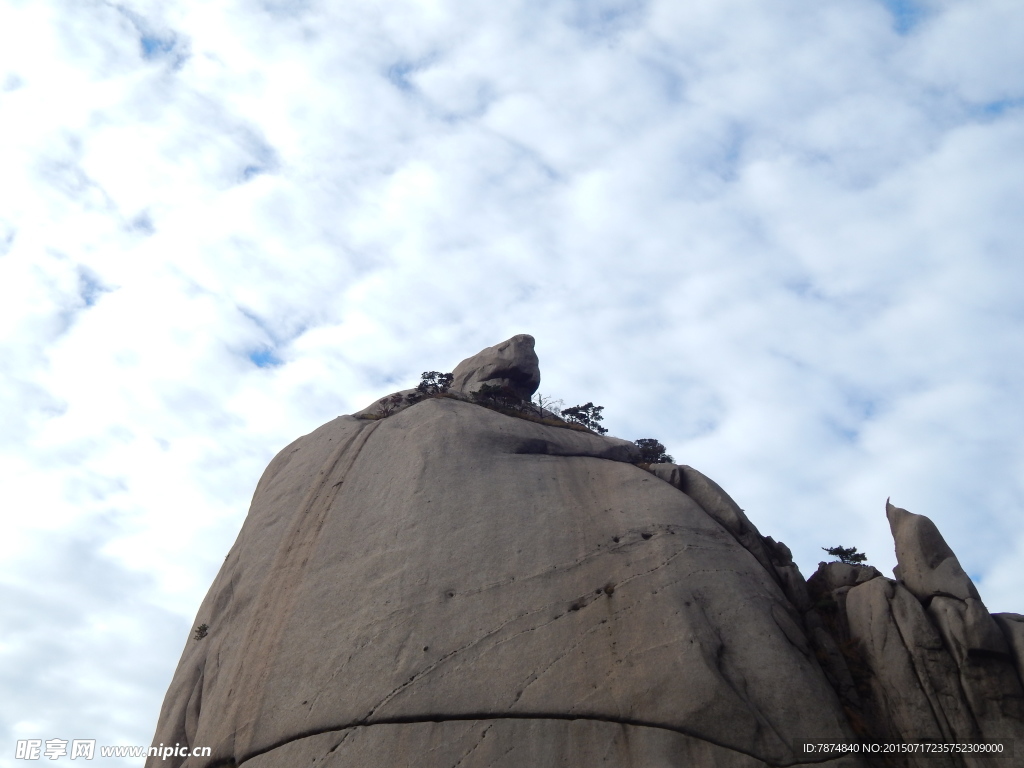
[781, 239]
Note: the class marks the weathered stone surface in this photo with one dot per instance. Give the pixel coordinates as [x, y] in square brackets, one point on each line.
[450, 561]
[719, 505]
[773, 556]
[967, 627]
[927, 566]
[834, 581]
[512, 363]
[406, 398]
[793, 585]
[518, 743]
[896, 687]
[993, 691]
[1012, 625]
[787, 572]
[833, 662]
[935, 669]
[835, 575]
[989, 679]
[917, 683]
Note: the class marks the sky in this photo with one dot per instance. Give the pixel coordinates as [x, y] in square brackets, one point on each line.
[782, 238]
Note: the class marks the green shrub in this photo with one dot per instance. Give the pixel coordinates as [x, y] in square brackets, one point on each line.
[388, 405]
[848, 555]
[652, 452]
[587, 415]
[434, 383]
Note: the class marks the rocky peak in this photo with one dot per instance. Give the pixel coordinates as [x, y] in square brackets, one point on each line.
[512, 363]
[927, 566]
[434, 583]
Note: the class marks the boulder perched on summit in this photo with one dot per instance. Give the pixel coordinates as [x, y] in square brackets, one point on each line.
[512, 363]
[449, 585]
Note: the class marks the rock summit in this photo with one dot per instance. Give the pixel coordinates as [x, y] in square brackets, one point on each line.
[512, 364]
[449, 585]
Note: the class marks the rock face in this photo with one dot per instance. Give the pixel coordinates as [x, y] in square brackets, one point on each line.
[452, 586]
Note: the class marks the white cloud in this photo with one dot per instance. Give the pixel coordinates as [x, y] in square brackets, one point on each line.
[780, 239]
[947, 52]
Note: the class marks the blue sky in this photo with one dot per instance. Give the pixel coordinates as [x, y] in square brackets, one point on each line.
[783, 239]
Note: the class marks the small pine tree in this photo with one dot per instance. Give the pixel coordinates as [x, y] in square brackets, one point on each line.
[652, 452]
[848, 555]
[587, 415]
[201, 631]
[434, 382]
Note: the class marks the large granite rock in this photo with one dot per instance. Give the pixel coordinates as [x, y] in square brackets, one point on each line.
[512, 363]
[979, 649]
[927, 566]
[915, 693]
[450, 565]
[446, 585]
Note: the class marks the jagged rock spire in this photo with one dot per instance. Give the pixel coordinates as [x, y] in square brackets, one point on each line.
[927, 565]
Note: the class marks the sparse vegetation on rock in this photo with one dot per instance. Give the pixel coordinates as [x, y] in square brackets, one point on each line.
[434, 383]
[652, 452]
[502, 397]
[587, 415]
[547, 405]
[502, 378]
[848, 555]
[505, 400]
[386, 406]
[201, 631]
